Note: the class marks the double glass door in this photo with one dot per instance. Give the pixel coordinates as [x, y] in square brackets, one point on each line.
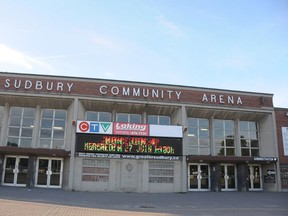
[228, 177]
[255, 177]
[49, 172]
[199, 177]
[15, 171]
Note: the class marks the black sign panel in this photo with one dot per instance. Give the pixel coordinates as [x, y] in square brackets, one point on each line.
[115, 144]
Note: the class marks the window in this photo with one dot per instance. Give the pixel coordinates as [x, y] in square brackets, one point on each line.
[224, 137]
[161, 172]
[198, 134]
[158, 120]
[95, 170]
[131, 118]
[21, 124]
[249, 138]
[52, 131]
[284, 175]
[98, 116]
[1, 118]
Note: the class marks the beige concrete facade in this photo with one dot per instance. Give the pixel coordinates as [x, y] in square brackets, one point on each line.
[217, 165]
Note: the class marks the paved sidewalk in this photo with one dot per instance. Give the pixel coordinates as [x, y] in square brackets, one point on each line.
[22, 201]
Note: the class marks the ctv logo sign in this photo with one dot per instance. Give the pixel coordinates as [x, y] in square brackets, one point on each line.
[94, 127]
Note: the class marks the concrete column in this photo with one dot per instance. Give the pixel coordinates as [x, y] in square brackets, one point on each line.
[242, 177]
[1, 166]
[31, 171]
[215, 170]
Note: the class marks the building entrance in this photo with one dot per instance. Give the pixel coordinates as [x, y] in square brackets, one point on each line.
[49, 172]
[255, 177]
[15, 171]
[199, 177]
[228, 177]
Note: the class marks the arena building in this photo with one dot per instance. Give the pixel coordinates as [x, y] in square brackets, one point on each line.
[88, 134]
[282, 134]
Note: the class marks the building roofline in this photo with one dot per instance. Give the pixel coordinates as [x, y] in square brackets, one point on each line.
[135, 82]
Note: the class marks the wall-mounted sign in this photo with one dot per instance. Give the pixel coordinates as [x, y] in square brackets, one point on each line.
[268, 159]
[94, 127]
[130, 129]
[285, 140]
[116, 144]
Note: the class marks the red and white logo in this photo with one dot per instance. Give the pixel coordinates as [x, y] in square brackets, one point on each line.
[131, 129]
[83, 126]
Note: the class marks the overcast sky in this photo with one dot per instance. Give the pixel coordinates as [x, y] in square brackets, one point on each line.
[224, 44]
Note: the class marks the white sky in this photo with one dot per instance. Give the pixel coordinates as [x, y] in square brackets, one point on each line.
[225, 44]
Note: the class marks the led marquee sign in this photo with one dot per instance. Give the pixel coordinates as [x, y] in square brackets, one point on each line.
[119, 144]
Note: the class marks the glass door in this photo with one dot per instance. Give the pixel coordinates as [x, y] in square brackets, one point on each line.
[16, 169]
[255, 177]
[199, 177]
[49, 172]
[228, 177]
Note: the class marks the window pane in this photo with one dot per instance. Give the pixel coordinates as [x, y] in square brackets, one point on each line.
[58, 134]
[245, 152]
[46, 133]
[229, 133]
[253, 126]
[193, 141]
[203, 133]
[91, 116]
[16, 111]
[255, 143]
[203, 142]
[218, 123]
[105, 117]
[219, 142]
[46, 113]
[44, 143]
[164, 120]
[219, 133]
[121, 117]
[192, 122]
[152, 119]
[204, 151]
[60, 114]
[59, 124]
[229, 125]
[244, 143]
[12, 141]
[28, 122]
[243, 125]
[204, 123]
[58, 144]
[26, 132]
[135, 118]
[230, 151]
[255, 152]
[46, 123]
[192, 131]
[14, 131]
[29, 112]
[229, 142]
[15, 121]
[26, 142]
[193, 150]
[220, 151]
[244, 134]
[253, 135]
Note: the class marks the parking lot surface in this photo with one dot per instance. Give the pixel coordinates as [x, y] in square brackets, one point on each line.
[37, 201]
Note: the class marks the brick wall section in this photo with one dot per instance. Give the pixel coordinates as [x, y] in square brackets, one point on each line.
[166, 93]
[281, 121]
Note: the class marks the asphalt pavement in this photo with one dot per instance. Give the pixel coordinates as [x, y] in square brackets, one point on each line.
[42, 201]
